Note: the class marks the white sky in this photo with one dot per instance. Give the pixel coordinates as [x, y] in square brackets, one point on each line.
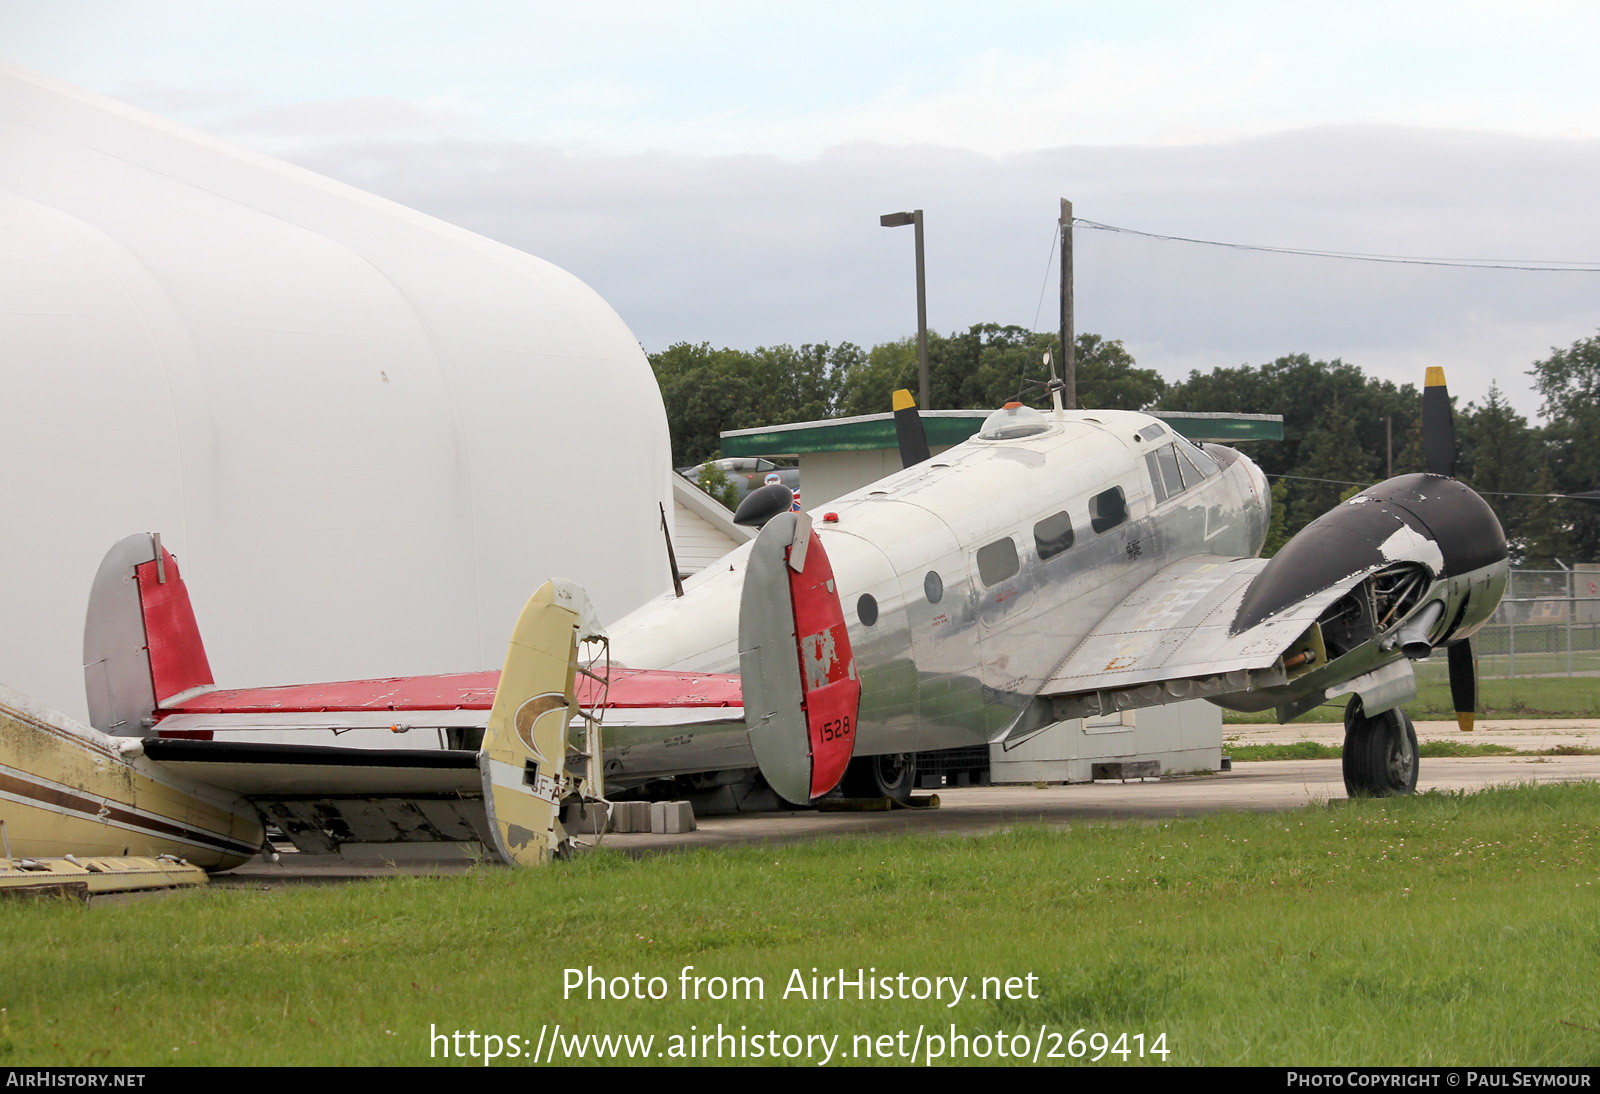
[715, 170]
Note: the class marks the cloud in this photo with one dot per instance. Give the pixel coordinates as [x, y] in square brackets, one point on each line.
[758, 249]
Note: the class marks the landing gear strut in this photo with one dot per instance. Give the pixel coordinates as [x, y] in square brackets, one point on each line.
[1380, 752]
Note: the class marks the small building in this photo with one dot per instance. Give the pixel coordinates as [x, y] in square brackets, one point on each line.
[838, 455]
[705, 528]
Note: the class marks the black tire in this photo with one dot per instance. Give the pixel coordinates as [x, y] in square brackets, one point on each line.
[892, 775]
[1380, 753]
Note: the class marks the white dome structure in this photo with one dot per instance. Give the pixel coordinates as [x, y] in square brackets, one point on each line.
[367, 435]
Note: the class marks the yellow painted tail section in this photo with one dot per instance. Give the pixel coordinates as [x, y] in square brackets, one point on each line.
[523, 761]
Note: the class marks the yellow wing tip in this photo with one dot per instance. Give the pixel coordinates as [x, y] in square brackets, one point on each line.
[1465, 720]
[903, 400]
[1435, 376]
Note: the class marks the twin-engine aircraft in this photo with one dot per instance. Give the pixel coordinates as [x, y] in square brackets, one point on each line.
[1057, 565]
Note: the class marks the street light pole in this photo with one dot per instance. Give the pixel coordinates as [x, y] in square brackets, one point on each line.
[1069, 354]
[897, 220]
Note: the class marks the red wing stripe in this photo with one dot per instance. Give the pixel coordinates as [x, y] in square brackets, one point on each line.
[630, 688]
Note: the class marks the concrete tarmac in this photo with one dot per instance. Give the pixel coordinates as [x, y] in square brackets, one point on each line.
[1259, 786]
[1527, 734]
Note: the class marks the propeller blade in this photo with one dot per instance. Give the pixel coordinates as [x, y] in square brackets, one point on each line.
[908, 429]
[1464, 683]
[1438, 428]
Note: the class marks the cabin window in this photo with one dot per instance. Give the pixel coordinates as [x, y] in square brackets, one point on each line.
[1107, 509]
[867, 609]
[933, 586]
[1052, 535]
[997, 561]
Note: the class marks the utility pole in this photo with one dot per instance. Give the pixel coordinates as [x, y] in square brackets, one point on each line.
[1069, 356]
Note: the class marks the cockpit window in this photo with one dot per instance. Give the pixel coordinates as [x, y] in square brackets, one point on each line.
[1167, 457]
[1108, 509]
[997, 561]
[1152, 431]
[1154, 466]
[1052, 535]
[1201, 460]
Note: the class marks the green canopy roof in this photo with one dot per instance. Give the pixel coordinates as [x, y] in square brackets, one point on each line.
[947, 427]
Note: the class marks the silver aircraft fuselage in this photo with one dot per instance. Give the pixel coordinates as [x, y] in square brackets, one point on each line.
[965, 579]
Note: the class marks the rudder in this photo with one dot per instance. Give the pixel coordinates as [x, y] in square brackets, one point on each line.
[141, 643]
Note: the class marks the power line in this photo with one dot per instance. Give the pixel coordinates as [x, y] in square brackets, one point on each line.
[1049, 261]
[1550, 266]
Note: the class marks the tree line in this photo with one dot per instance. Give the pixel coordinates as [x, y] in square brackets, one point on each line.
[1337, 421]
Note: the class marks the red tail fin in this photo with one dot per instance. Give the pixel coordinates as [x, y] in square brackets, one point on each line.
[141, 645]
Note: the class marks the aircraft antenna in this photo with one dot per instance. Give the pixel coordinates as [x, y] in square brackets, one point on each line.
[1055, 387]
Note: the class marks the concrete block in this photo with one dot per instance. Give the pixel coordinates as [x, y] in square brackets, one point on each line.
[638, 816]
[584, 818]
[678, 817]
[658, 816]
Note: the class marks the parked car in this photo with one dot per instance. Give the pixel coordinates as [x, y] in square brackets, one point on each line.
[747, 473]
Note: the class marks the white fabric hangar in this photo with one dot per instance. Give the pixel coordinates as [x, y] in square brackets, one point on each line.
[367, 435]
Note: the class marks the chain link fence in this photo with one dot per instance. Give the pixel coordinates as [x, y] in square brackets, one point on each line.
[1540, 653]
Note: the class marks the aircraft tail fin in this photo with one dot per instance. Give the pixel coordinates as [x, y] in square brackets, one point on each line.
[141, 643]
[524, 758]
[802, 696]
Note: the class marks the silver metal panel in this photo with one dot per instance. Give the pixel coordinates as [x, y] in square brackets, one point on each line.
[116, 664]
[1176, 625]
[770, 667]
[1384, 688]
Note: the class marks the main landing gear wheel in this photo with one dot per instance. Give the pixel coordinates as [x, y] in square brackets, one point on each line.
[1380, 753]
[893, 775]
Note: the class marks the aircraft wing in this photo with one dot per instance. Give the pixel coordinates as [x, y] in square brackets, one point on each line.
[1171, 637]
[324, 796]
[369, 713]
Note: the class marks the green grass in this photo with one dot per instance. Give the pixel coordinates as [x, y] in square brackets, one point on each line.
[1522, 697]
[1438, 929]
